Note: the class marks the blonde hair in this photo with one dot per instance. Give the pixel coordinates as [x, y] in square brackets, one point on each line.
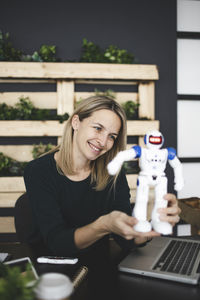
[99, 174]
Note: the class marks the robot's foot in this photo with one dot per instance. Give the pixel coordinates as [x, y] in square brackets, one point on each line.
[142, 226]
[162, 227]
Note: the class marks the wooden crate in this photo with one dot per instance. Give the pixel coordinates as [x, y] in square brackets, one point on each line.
[66, 76]
[190, 213]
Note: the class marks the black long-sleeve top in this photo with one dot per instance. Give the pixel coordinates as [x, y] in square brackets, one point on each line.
[59, 205]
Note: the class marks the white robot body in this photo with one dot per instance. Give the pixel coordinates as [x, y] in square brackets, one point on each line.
[152, 162]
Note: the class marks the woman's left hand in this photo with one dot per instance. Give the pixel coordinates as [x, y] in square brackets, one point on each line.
[171, 212]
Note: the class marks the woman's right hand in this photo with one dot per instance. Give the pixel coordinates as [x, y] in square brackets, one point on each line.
[115, 222]
[121, 224]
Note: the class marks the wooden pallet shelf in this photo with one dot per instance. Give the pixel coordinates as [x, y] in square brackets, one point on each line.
[65, 77]
[78, 71]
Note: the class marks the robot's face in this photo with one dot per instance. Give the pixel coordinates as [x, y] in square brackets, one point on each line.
[154, 140]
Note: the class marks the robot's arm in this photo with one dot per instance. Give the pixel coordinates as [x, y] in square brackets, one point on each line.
[115, 165]
[178, 169]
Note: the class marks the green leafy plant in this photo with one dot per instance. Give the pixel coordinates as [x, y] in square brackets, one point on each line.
[5, 163]
[62, 118]
[46, 53]
[13, 286]
[131, 167]
[41, 149]
[130, 109]
[11, 167]
[25, 110]
[6, 112]
[91, 52]
[112, 54]
[7, 51]
[107, 93]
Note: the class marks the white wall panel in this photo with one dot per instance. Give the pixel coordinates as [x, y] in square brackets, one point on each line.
[188, 128]
[188, 15]
[191, 173]
[188, 66]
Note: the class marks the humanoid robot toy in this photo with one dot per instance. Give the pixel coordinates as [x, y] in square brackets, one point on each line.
[152, 162]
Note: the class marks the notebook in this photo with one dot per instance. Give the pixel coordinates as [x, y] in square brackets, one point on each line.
[176, 259]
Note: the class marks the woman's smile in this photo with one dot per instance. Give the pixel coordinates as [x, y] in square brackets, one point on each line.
[93, 147]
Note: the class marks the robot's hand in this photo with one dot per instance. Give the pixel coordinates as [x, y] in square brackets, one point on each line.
[179, 185]
[115, 165]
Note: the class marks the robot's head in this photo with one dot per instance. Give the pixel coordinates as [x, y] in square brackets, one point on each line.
[154, 139]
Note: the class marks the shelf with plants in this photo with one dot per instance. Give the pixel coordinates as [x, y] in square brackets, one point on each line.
[66, 76]
[12, 187]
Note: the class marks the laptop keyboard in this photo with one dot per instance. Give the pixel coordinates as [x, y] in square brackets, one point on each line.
[179, 257]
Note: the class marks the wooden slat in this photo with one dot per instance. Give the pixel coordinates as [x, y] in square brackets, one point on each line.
[54, 128]
[120, 97]
[48, 100]
[16, 184]
[18, 152]
[141, 127]
[77, 70]
[132, 179]
[12, 184]
[24, 152]
[27, 81]
[31, 128]
[44, 100]
[7, 225]
[9, 199]
[141, 141]
[65, 90]
[110, 82]
[146, 100]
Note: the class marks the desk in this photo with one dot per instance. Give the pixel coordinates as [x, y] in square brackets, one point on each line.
[110, 284]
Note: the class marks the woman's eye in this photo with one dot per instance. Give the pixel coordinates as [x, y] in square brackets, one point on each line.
[113, 137]
[97, 128]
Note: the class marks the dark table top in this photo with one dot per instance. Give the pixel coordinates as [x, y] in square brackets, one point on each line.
[104, 281]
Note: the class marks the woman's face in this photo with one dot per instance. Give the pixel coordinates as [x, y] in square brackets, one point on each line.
[95, 135]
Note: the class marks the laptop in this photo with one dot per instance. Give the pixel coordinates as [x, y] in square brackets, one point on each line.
[176, 259]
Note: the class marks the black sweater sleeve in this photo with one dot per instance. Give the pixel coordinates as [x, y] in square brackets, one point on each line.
[121, 202]
[42, 191]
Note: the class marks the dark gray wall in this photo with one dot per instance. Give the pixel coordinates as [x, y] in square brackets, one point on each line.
[147, 28]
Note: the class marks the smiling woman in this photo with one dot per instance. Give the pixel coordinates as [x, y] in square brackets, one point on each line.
[94, 133]
[74, 201]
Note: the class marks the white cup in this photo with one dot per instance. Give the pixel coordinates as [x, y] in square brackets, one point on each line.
[53, 286]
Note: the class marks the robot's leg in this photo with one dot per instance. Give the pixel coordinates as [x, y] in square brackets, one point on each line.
[140, 208]
[160, 202]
